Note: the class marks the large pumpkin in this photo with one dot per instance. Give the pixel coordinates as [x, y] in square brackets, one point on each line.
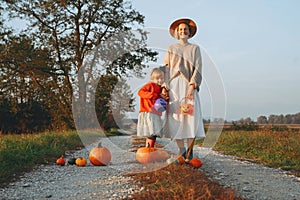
[146, 154]
[100, 156]
[151, 154]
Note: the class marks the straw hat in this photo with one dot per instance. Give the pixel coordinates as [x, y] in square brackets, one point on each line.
[175, 24]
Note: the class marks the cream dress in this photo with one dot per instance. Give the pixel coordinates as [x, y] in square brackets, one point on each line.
[149, 124]
[176, 125]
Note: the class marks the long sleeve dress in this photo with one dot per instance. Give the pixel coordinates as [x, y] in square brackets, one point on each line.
[182, 67]
[149, 119]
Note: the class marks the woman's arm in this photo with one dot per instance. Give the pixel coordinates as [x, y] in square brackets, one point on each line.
[196, 78]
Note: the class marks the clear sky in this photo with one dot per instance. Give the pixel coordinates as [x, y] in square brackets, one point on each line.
[255, 45]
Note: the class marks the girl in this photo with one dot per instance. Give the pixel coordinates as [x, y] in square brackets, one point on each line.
[149, 119]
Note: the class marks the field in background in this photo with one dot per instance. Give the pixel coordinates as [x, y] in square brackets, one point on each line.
[272, 148]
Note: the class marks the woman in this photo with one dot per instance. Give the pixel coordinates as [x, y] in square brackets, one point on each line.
[183, 75]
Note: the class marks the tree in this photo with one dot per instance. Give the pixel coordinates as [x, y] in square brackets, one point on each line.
[71, 30]
[25, 69]
[262, 120]
[113, 99]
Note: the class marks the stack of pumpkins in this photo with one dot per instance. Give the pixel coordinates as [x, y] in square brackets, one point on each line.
[98, 156]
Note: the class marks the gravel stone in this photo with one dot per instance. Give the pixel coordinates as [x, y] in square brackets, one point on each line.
[250, 180]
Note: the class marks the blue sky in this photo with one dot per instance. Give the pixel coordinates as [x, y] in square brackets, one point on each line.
[255, 45]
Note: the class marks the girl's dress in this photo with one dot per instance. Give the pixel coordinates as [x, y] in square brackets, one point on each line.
[149, 120]
[178, 126]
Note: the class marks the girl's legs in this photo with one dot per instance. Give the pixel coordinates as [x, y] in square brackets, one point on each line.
[180, 144]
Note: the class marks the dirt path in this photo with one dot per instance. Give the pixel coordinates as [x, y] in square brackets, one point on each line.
[250, 180]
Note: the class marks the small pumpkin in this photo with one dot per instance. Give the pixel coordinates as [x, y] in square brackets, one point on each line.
[195, 163]
[61, 161]
[180, 160]
[146, 154]
[72, 161]
[100, 156]
[81, 162]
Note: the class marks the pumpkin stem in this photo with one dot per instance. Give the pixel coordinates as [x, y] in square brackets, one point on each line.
[99, 145]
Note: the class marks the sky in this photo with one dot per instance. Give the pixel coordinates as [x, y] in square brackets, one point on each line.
[253, 44]
[251, 51]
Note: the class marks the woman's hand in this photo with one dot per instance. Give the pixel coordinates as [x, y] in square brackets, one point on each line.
[190, 92]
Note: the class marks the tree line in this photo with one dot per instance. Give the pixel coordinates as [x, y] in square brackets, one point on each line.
[271, 119]
[49, 71]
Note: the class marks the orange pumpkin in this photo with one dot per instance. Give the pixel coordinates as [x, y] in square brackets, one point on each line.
[196, 163]
[100, 156]
[146, 154]
[180, 160]
[81, 162]
[61, 161]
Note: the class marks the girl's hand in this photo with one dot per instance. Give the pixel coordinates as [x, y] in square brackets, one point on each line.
[190, 93]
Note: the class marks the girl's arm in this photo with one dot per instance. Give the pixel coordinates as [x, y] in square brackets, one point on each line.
[147, 92]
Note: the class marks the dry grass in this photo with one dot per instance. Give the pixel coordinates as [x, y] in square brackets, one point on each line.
[177, 182]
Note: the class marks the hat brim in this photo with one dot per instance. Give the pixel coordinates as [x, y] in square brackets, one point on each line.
[175, 24]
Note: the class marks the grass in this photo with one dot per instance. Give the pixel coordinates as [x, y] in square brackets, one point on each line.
[276, 149]
[20, 153]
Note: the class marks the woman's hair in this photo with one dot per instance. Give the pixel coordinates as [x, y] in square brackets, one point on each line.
[155, 73]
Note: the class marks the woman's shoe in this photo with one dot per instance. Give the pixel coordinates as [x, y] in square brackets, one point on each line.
[190, 154]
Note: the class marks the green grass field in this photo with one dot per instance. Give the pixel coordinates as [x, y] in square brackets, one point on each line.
[276, 149]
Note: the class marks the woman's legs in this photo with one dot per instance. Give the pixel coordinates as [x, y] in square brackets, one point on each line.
[190, 148]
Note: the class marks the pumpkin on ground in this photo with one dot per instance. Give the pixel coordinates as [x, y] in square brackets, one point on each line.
[72, 161]
[100, 156]
[180, 160]
[146, 154]
[81, 162]
[61, 161]
[196, 163]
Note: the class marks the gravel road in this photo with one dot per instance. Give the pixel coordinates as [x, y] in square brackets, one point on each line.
[250, 180]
